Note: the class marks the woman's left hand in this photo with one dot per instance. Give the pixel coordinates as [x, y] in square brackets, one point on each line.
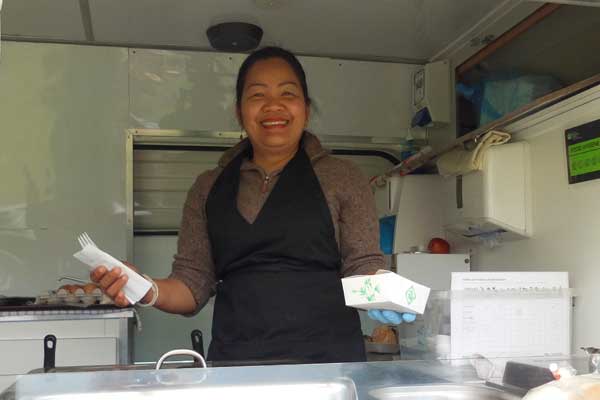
[391, 317]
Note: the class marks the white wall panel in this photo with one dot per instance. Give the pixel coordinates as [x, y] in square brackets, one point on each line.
[565, 217]
[161, 331]
[196, 91]
[27, 355]
[63, 112]
[364, 98]
[183, 90]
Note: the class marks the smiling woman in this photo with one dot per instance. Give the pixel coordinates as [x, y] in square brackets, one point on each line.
[272, 106]
[271, 231]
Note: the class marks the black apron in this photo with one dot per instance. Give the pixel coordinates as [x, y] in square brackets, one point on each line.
[279, 294]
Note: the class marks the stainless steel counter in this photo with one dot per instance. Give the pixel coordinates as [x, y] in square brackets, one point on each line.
[64, 314]
[346, 381]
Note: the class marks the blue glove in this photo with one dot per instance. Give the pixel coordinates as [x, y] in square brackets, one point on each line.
[391, 317]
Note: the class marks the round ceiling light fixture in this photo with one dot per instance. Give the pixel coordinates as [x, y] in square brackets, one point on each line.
[234, 36]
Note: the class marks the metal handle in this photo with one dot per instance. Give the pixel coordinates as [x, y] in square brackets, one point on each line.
[72, 278]
[197, 342]
[49, 352]
[180, 352]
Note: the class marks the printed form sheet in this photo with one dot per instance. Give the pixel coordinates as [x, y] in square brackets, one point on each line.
[496, 314]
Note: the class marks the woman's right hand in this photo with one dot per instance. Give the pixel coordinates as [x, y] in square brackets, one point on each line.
[112, 283]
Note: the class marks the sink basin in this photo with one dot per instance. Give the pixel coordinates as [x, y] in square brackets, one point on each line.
[441, 392]
[342, 389]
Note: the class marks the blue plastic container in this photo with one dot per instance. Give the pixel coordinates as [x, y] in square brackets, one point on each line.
[387, 226]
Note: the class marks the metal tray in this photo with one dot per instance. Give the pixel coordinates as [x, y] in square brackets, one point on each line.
[441, 392]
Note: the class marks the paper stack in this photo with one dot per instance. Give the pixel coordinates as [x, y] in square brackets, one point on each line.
[136, 286]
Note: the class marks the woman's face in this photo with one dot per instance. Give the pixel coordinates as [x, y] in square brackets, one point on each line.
[272, 109]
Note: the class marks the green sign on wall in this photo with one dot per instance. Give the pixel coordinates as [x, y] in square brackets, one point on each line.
[583, 152]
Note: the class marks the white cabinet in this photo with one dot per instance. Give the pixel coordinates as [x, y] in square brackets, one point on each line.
[196, 91]
[81, 340]
[27, 355]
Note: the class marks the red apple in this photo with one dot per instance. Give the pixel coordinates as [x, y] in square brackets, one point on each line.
[438, 246]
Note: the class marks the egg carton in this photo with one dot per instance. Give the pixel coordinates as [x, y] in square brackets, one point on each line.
[77, 298]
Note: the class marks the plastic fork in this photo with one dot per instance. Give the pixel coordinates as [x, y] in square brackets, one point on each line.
[85, 240]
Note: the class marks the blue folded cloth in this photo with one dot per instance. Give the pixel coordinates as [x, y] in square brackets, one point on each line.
[391, 317]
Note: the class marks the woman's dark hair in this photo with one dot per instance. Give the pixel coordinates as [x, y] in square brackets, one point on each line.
[264, 54]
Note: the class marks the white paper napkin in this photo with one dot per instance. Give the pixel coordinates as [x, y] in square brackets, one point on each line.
[136, 286]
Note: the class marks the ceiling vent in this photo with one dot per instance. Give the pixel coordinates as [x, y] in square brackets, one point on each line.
[234, 36]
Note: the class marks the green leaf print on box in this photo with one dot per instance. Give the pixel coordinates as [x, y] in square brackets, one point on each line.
[368, 290]
[411, 295]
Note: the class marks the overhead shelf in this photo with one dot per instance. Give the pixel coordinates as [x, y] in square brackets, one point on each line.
[425, 156]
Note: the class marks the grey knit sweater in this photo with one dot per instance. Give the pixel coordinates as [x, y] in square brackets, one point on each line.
[348, 195]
